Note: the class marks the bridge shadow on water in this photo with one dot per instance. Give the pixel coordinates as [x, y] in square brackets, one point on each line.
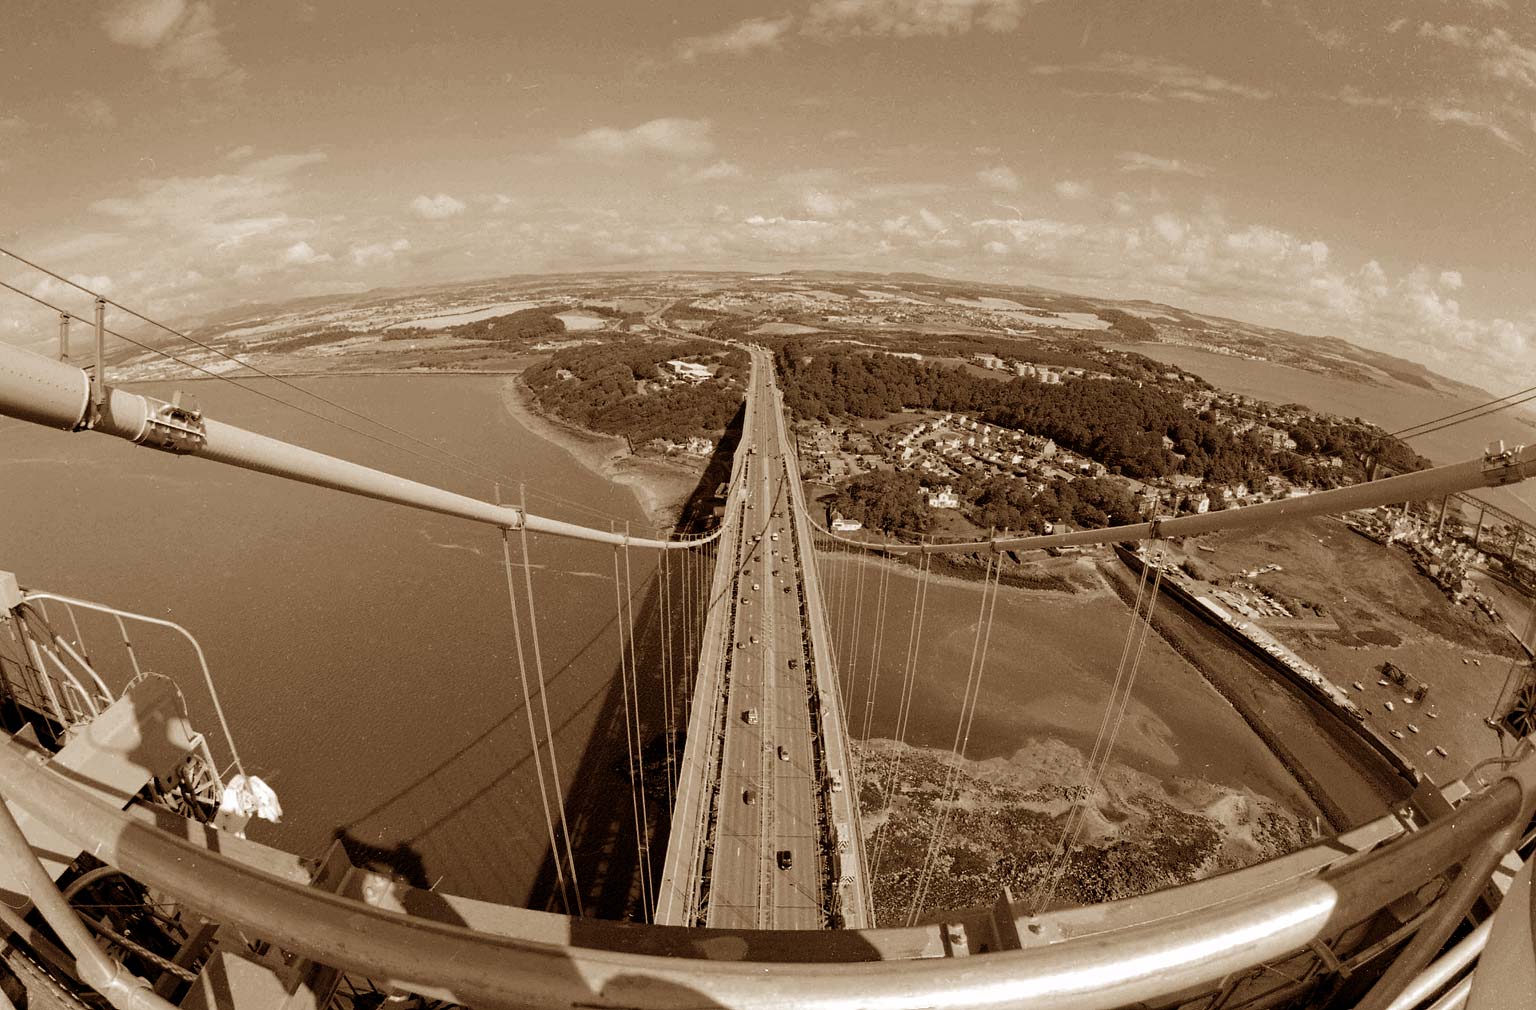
[598, 805]
[482, 797]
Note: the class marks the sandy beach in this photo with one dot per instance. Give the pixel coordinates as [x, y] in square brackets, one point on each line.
[660, 486]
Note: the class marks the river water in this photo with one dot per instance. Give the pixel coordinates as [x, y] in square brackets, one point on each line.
[1046, 673]
[365, 655]
[363, 650]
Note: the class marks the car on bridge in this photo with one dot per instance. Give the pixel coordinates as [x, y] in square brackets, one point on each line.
[750, 717]
[749, 796]
[786, 859]
[783, 753]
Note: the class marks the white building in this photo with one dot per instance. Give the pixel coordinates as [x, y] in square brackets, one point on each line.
[841, 525]
[945, 499]
[690, 371]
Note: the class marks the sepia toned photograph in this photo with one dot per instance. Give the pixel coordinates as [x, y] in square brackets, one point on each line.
[836, 504]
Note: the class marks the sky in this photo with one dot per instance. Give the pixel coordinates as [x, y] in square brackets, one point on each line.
[1360, 170]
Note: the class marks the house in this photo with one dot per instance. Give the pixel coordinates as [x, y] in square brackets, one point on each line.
[945, 499]
[841, 525]
[989, 361]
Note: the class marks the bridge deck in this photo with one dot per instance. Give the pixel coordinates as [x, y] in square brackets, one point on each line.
[755, 837]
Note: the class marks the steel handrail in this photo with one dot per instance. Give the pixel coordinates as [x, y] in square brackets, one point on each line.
[202, 661]
[536, 968]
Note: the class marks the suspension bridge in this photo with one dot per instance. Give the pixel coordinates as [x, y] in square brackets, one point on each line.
[765, 847]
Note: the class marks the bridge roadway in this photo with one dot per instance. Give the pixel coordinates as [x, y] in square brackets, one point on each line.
[766, 780]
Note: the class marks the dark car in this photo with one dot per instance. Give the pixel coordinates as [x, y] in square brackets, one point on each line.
[786, 859]
[748, 797]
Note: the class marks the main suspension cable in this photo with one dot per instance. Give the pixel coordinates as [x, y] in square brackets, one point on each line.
[1479, 410]
[478, 471]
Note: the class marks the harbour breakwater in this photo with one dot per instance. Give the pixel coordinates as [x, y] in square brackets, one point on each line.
[1348, 769]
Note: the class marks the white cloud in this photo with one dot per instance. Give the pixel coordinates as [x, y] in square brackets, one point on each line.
[1269, 276]
[435, 208]
[142, 23]
[1169, 227]
[820, 203]
[1444, 114]
[282, 164]
[1136, 161]
[376, 253]
[1163, 79]
[1069, 189]
[999, 177]
[669, 137]
[738, 40]
[200, 204]
[931, 220]
[710, 173]
[1500, 58]
[789, 235]
[91, 109]
[181, 37]
[910, 18]
[303, 254]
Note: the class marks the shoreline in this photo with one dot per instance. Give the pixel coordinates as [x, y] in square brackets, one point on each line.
[953, 577]
[662, 489]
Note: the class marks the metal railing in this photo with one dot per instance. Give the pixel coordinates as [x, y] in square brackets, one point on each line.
[31, 597]
[1152, 961]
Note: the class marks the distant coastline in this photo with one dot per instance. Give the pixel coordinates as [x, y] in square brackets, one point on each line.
[662, 488]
